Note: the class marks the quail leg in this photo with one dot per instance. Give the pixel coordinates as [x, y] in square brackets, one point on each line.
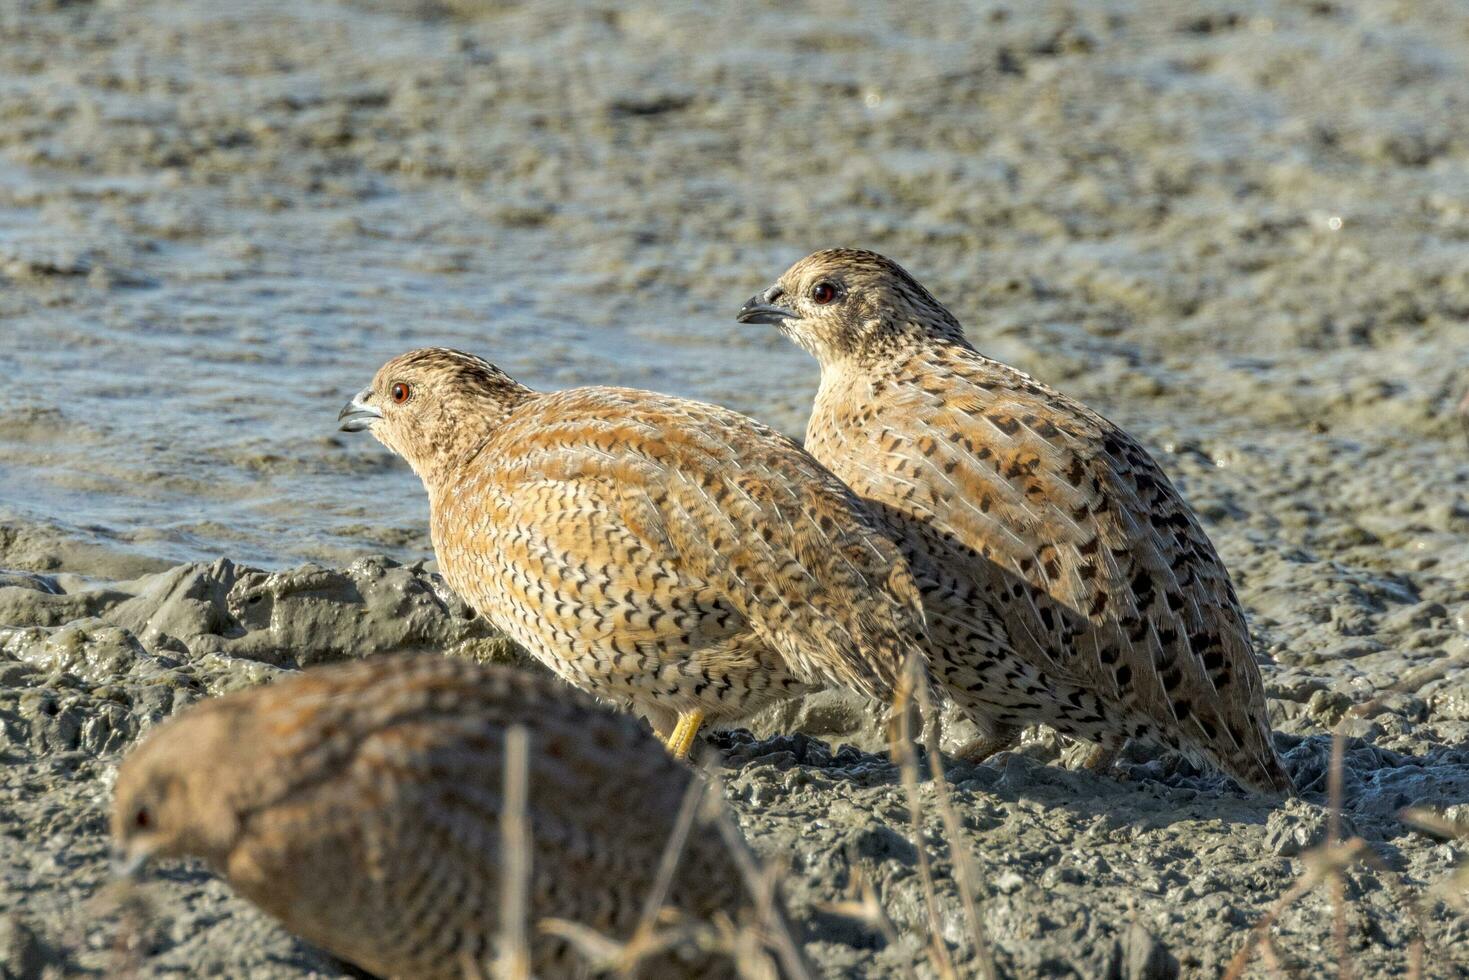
[682, 738]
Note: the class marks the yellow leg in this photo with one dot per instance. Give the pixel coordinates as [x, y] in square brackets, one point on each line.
[682, 738]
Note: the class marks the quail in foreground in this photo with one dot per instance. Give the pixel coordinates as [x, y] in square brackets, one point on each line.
[1066, 581]
[666, 555]
[361, 804]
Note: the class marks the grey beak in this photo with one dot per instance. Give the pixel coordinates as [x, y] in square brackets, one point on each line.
[357, 415]
[129, 865]
[762, 308]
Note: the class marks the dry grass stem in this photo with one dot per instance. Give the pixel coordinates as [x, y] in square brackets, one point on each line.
[1241, 958]
[1455, 888]
[601, 953]
[1328, 862]
[513, 962]
[1331, 860]
[1415, 958]
[964, 875]
[607, 955]
[1271, 960]
[907, 759]
[1335, 777]
[1411, 683]
[752, 961]
[672, 851]
[762, 886]
[865, 907]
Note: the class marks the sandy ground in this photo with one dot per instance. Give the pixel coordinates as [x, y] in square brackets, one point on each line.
[1240, 233]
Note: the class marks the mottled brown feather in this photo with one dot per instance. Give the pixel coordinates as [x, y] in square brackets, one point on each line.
[1066, 580]
[661, 553]
[360, 805]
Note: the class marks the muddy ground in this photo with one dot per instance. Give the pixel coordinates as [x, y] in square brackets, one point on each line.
[1240, 230]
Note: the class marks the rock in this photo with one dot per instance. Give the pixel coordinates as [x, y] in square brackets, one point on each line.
[839, 717]
[1008, 883]
[1295, 829]
[44, 584]
[88, 648]
[312, 615]
[1139, 955]
[287, 619]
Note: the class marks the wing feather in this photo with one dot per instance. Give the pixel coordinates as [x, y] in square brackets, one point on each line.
[730, 511]
[1101, 574]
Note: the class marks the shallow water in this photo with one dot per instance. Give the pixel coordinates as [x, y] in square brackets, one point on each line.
[194, 414]
[217, 220]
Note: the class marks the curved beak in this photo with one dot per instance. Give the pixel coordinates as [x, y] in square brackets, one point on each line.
[762, 308]
[357, 414]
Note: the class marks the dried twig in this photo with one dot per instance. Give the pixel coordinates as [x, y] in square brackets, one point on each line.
[762, 885]
[513, 962]
[964, 875]
[672, 851]
[902, 750]
[867, 909]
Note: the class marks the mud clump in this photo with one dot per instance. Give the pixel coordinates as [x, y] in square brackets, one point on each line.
[1153, 870]
[141, 649]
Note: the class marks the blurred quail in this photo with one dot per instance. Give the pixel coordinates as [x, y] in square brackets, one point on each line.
[360, 805]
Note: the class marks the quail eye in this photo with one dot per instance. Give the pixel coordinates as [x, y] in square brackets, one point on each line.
[823, 293]
[143, 819]
[400, 392]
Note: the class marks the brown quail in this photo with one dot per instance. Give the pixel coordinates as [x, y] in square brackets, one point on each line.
[1066, 581]
[666, 555]
[361, 804]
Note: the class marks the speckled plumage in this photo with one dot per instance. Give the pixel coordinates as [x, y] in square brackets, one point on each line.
[360, 805]
[663, 554]
[1065, 579]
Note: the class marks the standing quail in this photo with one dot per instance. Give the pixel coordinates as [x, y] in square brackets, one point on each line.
[663, 554]
[1065, 580]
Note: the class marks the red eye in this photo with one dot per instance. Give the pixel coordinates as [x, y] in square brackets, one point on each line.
[400, 392]
[823, 293]
[142, 819]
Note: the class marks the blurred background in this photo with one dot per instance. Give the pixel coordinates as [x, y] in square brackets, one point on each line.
[1241, 230]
